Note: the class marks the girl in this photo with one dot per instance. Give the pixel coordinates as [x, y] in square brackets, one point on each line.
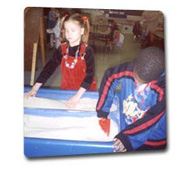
[75, 57]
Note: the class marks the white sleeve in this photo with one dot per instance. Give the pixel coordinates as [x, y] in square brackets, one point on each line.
[56, 29]
[121, 38]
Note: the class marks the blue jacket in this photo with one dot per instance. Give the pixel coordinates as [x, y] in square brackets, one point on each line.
[143, 115]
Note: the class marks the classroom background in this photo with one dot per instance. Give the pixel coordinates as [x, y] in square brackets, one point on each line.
[136, 29]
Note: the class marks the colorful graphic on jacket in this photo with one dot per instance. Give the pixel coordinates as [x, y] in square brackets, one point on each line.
[131, 110]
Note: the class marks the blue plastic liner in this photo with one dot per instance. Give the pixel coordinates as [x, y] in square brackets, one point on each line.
[36, 147]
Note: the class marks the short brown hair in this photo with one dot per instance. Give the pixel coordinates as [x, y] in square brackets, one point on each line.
[82, 21]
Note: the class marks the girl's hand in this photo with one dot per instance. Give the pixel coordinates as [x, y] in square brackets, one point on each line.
[73, 101]
[33, 91]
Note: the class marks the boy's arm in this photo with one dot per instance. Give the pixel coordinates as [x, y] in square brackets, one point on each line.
[108, 86]
[106, 94]
[139, 132]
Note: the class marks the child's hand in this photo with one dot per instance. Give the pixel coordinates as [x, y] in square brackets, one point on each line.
[49, 31]
[118, 146]
[73, 101]
[31, 93]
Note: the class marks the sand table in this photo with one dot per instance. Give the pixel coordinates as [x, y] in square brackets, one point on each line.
[69, 128]
[85, 104]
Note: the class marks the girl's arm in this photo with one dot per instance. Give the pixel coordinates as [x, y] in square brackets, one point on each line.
[90, 68]
[50, 67]
[47, 71]
[73, 101]
[90, 71]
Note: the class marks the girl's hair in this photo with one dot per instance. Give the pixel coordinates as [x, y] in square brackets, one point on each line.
[81, 20]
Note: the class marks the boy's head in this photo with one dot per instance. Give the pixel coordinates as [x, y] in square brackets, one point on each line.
[149, 64]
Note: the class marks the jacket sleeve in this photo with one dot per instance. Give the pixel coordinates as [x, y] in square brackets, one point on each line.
[110, 81]
[106, 92]
[50, 67]
[154, 121]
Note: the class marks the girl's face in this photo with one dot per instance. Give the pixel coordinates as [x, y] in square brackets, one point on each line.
[73, 32]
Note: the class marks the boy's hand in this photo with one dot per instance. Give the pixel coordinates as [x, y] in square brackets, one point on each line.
[118, 146]
[105, 125]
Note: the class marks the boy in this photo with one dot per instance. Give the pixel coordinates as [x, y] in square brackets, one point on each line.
[142, 101]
